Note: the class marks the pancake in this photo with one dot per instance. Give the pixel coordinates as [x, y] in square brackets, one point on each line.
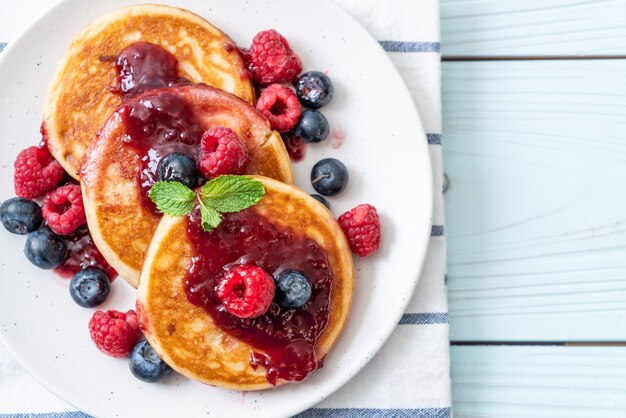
[120, 221]
[79, 98]
[186, 336]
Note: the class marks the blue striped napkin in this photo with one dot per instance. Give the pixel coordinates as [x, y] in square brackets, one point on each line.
[410, 376]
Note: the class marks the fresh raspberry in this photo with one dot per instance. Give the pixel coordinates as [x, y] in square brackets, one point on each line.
[280, 106]
[362, 228]
[114, 333]
[63, 209]
[246, 291]
[271, 59]
[36, 172]
[222, 152]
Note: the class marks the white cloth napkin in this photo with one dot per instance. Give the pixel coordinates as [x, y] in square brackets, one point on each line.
[410, 376]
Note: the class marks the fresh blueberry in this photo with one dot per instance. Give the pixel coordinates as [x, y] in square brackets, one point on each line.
[90, 287]
[293, 289]
[146, 364]
[178, 167]
[20, 216]
[329, 176]
[312, 126]
[45, 249]
[314, 89]
[321, 199]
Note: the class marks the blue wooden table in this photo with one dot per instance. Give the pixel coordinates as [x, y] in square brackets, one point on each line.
[534, 106]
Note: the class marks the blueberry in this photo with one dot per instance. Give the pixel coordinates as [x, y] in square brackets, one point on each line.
[293, 289]
[90, 287]
[45, 249]
[146, 364]
[20, 216]
[312, 126]
[329, 176]
[314, 89]
[321, 199]
[178, 167]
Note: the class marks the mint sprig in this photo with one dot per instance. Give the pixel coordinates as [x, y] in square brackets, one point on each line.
[223, 194]
[172, 197]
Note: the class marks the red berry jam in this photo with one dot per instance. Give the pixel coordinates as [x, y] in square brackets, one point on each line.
[296, 147]
[144, 66]
[285, 338]
[157, 125]
[82, 253]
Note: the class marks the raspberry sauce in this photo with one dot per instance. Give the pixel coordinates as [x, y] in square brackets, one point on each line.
[287, 337]
[82, 253]
[143, 66]
[296, 147]
[157, 125]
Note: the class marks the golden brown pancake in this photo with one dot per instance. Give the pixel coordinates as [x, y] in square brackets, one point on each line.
[185, 335]
[121, 226]
[80, 99]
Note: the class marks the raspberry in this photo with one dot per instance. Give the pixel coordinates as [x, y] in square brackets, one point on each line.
[36, 172]
[246, 291]
[280, 106]
[362, 228]
[63, 209]
[114, 333]
[222, 152]
[271, 59]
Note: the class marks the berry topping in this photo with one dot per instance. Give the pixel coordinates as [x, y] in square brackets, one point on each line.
[329, 176]
[90, 287]
[271, 59]
[114, 333]
[222, 152]
[146, 365]
[312, 126]
[293, 289]
[362, 228]
[20, 216]
[280, 106]
[246, 291]
[63, 209]
[314, 89]
[296, 147]
[178, 167]
[321, 199]
[45, 249]
[36, 172]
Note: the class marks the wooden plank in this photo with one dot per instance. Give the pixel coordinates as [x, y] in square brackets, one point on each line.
[533, 27]
[536, 208]
[538, 382]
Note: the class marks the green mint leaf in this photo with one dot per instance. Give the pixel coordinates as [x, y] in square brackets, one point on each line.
[172, 198]
[232, 193]
[210, 217]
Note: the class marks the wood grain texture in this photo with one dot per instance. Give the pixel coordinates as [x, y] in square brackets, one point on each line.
[533, 27]
[536, 214]
[539, 382]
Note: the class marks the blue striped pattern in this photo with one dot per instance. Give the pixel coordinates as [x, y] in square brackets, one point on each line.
[2, 45]
[404, 46]
[437, 231]
[375, 413]
[70, 414]
[434, 139]
[424, 318]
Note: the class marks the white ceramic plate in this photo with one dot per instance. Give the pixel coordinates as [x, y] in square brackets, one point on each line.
[384, 149]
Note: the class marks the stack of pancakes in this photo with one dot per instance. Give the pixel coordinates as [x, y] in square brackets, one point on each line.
[150, 251]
